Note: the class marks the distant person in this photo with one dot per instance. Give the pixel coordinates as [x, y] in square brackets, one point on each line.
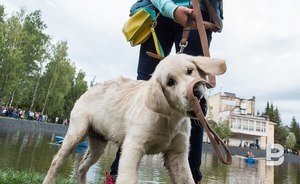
[31, 115]
[246, 145]
[56, 120]
[250, 154]
[66, 122]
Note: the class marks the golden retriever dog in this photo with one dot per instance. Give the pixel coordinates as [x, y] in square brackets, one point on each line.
[144, 117]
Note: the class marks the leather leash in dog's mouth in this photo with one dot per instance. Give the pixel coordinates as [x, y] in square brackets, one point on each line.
[215, 140]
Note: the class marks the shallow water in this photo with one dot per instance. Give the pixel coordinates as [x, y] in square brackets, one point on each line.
[26, 150]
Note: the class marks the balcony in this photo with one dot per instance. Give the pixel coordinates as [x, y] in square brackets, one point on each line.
[250, 125]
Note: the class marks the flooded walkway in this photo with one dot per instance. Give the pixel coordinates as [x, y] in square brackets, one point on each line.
[28, 146]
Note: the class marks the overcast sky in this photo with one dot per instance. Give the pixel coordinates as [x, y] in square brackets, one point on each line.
[260, 42]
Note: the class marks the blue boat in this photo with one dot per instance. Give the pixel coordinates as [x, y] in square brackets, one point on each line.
[250, 160]
[60, 139]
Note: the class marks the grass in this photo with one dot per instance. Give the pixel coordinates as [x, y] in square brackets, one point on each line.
[10, 176]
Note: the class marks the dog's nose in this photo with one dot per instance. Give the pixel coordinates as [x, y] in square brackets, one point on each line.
[198, 91]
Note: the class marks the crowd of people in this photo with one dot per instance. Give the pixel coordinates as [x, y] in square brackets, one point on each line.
[292, 151]
[18, 113]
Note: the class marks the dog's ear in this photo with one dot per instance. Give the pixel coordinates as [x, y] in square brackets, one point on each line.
[209, 65]
[156, 99]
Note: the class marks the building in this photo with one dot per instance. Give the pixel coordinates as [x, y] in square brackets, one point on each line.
[248, 129]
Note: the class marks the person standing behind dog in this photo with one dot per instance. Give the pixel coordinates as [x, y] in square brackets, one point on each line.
[169, 29]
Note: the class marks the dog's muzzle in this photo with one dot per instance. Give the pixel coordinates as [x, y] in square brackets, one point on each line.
[198, 91]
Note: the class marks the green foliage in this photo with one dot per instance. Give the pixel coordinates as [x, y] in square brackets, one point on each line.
[9, 176]
[23, 43]
[34, 74]
[272, 113]
[290, 140]
[223, 130]
[274, 116]
[78, 87]
[282, 133]
[57, 81]
[1, 13]
[295, 129]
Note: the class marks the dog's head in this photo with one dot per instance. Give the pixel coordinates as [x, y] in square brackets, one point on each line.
[169, 82]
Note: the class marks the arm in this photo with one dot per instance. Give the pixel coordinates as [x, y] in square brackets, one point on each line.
[169, 9]
[165, 7]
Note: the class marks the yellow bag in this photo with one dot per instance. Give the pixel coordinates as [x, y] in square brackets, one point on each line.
[140, 26]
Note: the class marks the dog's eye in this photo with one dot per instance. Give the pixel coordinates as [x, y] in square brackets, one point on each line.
[189, 71]
[171, 82]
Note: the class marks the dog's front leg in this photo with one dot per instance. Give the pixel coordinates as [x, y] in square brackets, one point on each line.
[131, 155]
[178, 167]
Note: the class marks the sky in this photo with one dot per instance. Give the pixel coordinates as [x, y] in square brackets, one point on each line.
[260, 42]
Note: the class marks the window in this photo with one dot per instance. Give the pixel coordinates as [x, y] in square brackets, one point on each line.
[243, 111]
[238, 124]
[251, 125]
[258, 127]
[245, 124]
[263, 126]
[233, 120]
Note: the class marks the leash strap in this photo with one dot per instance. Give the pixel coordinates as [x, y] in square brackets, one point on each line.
[186, 33]
[216, 26]
[201, 25]
[215, 140]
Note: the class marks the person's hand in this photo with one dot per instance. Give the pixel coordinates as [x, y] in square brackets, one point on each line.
[181, 13]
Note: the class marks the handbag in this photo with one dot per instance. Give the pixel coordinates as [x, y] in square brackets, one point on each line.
[140, 26]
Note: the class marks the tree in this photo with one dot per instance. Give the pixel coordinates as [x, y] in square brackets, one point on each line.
[2, 14]
[35, 48]
[35, 74]
[295, 129]
[274, 116]
[11, 56]
[22, 47]
[79, 86]
[224, 130]
[267, 109]
[282, 133]
[57, 80]
[290, 140]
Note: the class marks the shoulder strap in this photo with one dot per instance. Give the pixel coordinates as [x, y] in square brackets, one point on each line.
[159, 50]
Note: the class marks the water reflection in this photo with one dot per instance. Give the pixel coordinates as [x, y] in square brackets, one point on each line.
[31, 150]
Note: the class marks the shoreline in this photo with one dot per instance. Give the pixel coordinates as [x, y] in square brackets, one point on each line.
[11, 124]
[31, 126]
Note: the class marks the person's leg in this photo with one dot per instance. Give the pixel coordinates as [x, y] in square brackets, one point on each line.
[194, 48]
[165, 35]
[196, 140]
[115, 165]
[195, 153]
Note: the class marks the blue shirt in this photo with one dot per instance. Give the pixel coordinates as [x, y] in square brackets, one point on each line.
[167, 7]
